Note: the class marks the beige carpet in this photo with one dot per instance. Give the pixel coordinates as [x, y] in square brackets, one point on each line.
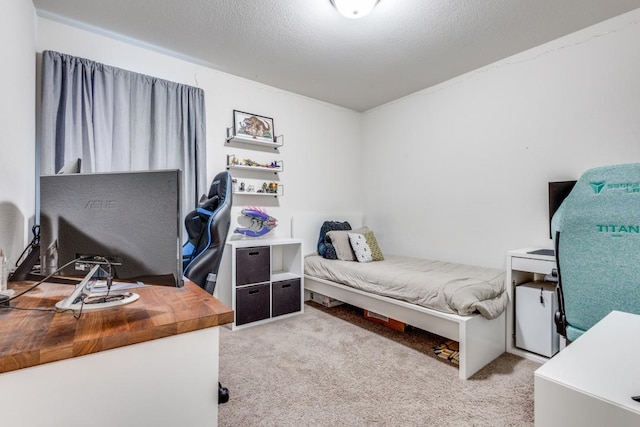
[331, 367]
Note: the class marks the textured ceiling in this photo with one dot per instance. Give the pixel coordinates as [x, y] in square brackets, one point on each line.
[306, 47]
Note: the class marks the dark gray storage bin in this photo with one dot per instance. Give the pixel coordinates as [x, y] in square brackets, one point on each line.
[253, 265]
[252, 303]
[286, 297]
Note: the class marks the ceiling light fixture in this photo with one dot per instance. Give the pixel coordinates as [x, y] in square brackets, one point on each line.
[353, 9]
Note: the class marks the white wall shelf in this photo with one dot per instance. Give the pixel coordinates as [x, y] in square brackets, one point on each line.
[232, 138]
[254, 187]
[246, 171]
[234, 163]
[255, 168]
[248, 193]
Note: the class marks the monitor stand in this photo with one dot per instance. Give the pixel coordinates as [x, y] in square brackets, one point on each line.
[84, 298]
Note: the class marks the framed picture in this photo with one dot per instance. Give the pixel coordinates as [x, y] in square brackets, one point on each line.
[253, 126]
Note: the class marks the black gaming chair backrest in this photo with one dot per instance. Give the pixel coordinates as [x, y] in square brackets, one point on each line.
[207, 227]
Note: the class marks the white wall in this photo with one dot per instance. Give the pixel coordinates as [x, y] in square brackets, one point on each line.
[459, 171]
[17, 124]
[322, 141]
[456, 172]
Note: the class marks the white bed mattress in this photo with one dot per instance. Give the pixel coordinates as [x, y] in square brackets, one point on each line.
[443, 286]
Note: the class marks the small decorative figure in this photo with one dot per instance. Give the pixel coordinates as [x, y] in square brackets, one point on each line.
[273, 187]
[255, 222]
[242, 186]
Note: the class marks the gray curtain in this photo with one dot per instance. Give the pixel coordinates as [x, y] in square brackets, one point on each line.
[117, 120]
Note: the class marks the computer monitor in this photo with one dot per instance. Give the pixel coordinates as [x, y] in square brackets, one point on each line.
[131, 218]
[558, 191]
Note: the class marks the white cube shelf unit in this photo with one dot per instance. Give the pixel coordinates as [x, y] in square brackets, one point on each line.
[262, 280]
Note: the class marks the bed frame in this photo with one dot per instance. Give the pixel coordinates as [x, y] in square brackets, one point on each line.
[480, 340]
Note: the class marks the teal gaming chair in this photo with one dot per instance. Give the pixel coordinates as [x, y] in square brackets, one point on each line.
[597, 239]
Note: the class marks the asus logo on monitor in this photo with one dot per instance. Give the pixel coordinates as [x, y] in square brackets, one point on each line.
[101, 204]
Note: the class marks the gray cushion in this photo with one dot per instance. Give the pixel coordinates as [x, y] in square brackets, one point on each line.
[340, 241]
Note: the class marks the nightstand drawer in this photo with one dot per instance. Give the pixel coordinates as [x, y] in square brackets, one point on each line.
[533, 265]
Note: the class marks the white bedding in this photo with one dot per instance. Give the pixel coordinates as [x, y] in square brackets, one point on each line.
[443, 286]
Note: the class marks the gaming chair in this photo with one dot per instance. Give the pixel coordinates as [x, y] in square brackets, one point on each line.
[597, 239]
[207, 227]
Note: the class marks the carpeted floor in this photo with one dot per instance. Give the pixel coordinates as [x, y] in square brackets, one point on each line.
[332, 367]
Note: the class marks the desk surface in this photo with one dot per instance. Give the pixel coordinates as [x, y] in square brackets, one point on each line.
[602, 363]
[29, 338]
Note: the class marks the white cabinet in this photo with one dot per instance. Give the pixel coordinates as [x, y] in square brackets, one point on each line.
[261, 280]
[524, 266]
[536, 305]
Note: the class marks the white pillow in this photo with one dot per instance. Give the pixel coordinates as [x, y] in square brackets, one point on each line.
[365, 247]
[360, 247]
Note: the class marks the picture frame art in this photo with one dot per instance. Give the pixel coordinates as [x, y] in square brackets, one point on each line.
[253, 126]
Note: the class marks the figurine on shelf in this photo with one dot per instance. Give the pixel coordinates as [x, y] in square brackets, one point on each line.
[242, 186]
[233, 160]
[255, 222]
[273, 188]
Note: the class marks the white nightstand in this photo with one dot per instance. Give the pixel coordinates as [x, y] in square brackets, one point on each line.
[523, 266]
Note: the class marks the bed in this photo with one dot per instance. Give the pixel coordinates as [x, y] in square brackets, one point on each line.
[469, 307]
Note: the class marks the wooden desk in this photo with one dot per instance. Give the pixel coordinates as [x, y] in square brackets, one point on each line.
[151, 362]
